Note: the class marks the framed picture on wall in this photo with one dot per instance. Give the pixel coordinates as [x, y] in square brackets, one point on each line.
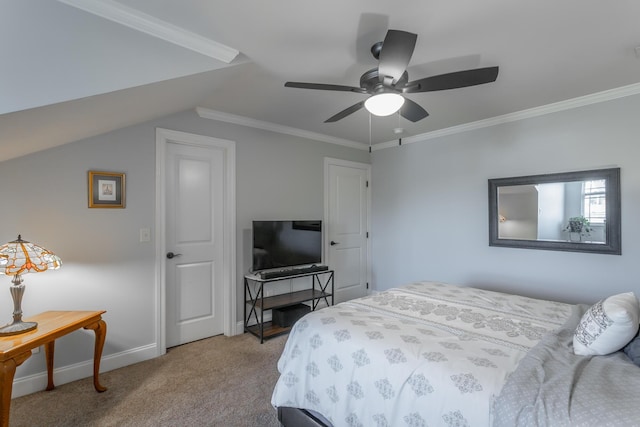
[106, 189]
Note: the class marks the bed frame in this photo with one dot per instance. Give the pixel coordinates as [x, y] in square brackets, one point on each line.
[295, 417]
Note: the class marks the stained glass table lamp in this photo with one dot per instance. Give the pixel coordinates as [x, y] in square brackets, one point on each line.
[17, 258]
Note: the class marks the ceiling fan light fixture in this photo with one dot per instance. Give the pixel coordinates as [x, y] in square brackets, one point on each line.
[384, 104]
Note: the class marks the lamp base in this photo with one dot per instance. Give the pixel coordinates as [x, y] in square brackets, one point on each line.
[16, 328]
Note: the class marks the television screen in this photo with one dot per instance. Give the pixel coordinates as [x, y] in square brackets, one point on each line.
[278, 244]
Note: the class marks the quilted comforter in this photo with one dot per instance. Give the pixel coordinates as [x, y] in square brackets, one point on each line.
[554, 386]
[424, 354]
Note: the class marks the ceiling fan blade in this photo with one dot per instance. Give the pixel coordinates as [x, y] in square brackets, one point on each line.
[454, 80]
[322, 86]
[412, 111]
[395, 55]
[344, 113]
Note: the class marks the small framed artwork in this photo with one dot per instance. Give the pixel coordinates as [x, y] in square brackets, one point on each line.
[106, 189]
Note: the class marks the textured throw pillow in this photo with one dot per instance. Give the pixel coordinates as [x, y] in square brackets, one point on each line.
[607, 326]
[633, 350]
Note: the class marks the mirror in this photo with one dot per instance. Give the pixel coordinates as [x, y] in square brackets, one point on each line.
[572, 211]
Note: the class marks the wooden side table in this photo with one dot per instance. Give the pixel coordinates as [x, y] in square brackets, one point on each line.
[15, 349]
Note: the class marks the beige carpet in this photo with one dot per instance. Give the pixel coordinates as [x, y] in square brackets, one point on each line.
[220, 381]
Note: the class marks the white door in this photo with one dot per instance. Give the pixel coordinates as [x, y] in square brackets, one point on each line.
[194, 242]
[347, 226]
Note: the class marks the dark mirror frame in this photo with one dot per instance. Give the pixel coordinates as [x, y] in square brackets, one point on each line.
[612, 245]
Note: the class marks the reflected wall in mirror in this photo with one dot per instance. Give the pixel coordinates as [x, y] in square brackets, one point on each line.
[572, 211]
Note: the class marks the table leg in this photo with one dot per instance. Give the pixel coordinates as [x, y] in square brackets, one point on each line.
[100, 328]
[48, 351]
[7, 371]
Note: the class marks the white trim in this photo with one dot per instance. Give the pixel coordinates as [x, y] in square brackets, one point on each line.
[582, 101]
[164, 136]
[140, 21]
[328, 161]
[569, 104]
[160, 261]
[206, 113]
[66, 374]
[268, 315]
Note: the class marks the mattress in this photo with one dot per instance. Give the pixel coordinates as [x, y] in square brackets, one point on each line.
[424, 354]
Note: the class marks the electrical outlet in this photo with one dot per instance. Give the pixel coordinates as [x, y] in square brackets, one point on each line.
[145, 235]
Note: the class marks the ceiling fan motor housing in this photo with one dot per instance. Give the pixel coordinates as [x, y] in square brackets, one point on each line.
[370, 81]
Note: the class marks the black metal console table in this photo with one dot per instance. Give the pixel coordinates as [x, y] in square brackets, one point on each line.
[256, 301]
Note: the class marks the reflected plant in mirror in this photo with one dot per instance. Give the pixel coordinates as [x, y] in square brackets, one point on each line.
[580, 226]
[572, 211]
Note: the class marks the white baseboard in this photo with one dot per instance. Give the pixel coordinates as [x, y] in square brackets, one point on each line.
[252, 321]
[66, 374]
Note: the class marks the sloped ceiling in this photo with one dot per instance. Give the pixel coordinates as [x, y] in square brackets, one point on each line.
[76, 68]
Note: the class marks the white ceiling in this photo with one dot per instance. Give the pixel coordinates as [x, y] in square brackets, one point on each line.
[77, 68]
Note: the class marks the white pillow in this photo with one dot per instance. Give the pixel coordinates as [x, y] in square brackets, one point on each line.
[607, 326]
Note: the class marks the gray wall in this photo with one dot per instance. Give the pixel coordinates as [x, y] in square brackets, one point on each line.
[520, 210]
[430, 212]
[104, 264]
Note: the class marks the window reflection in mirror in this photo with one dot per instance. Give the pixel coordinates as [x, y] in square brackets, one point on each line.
[551, 211]
[572, 211]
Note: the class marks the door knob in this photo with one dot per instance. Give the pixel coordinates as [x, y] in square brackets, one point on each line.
[333, 243]
[171, 255]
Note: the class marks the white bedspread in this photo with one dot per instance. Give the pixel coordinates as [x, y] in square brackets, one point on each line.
[424, 354]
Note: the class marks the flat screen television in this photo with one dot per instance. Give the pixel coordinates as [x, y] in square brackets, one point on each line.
[281, 244]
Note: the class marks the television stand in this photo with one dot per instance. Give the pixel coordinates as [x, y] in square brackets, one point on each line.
[322, 283]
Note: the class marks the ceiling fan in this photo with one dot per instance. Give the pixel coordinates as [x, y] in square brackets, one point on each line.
[389, 81]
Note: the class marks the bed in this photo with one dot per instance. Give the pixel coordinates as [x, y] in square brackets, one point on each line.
[430, 354]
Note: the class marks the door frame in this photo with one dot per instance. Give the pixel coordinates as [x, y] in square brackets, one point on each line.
[329, 161]
[164, 137]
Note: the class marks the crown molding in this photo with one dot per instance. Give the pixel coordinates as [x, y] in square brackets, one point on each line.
[155, 27]
[206, 113]
[569, 104]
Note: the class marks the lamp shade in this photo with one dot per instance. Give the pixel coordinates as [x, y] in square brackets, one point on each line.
[22, 257]
[384, 104]
[17, 258]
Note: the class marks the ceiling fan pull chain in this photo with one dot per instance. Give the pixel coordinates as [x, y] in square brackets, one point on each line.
[398, 130]
[369, 132]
